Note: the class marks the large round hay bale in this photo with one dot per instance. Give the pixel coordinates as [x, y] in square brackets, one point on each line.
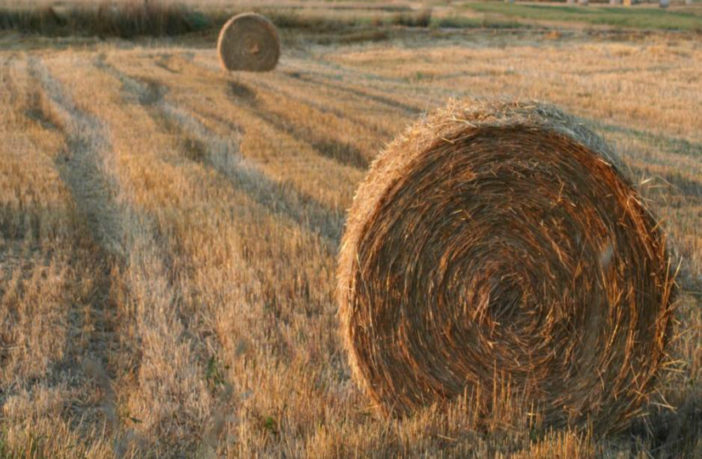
[500, 245]
[248, 41]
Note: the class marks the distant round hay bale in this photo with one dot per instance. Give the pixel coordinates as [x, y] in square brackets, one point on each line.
[249, 42]
[500, 245]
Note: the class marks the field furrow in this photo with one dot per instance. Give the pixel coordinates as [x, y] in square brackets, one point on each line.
[281, 156]
[56, 313]
[222, 154]
[152, 330]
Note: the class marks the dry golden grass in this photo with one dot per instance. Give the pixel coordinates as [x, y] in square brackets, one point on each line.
[168, 237]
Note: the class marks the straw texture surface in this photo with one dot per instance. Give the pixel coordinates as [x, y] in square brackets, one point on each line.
[500, 244]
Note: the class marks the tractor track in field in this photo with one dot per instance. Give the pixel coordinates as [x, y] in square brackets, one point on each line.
[222, 155]
[329, 147]
[128, 240]
[390, 103]
[83, 165]
[247, 95]
[336, 150]
[81, 169]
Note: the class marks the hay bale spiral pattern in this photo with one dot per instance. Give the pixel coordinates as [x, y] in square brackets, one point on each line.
[250, 42]
[497, 244]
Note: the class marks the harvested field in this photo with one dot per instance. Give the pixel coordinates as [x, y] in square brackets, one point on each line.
[169, 234]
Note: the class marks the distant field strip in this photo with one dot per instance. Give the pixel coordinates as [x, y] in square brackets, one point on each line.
[647, 18]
